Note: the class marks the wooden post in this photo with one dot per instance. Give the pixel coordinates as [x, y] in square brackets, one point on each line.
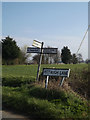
[61, 82]
[40, 60]
[46, 82]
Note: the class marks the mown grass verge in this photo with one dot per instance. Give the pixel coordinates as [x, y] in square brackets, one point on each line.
[44, 104]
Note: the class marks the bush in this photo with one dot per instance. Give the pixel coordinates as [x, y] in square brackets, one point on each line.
[48, 94]
[79, 82]
[16, 81]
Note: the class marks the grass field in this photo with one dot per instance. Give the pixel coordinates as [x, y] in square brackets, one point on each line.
[31, 70]
[21, 92]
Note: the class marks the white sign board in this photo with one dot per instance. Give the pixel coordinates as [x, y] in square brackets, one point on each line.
[45, 50]
[56, 72]
[33, 50]
[50, 51]
[37, 44]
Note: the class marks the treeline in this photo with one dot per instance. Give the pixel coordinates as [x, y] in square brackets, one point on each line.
[12, 54]
[64, 57]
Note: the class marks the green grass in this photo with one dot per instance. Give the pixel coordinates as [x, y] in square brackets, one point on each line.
[17, 81]
[16, 75]
[31, 70]
[50, 105]
[19, 71]
[20, 92]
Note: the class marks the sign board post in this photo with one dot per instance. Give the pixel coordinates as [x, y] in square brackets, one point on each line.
[46, 82]
[61, 82]
[56, 72]
[40, 60]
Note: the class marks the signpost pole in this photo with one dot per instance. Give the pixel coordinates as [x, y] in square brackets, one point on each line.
[40, 60]
[61, 82]
[46, 82]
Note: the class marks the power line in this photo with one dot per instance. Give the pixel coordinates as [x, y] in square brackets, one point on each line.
[82, 39]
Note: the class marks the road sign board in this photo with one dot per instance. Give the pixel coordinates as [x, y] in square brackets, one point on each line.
[56, 72]
[37, 43]
[50, 51]
[45, 50]
[33, 50]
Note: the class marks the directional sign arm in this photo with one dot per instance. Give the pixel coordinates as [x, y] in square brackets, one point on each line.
[37, 44]
[33, 50]
[50, 50]
[44, 50]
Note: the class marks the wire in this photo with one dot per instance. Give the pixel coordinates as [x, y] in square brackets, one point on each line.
[82, 40]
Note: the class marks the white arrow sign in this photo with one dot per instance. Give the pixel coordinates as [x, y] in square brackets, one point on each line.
[37, 44]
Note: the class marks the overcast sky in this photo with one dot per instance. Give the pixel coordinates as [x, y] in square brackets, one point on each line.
[56, 24]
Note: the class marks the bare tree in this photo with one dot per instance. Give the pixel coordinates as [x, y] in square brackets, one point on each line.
[79, 57]
[57, 57]
[47, 58]
[24, 55]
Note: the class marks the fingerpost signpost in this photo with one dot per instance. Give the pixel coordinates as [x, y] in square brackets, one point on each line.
[39, 49]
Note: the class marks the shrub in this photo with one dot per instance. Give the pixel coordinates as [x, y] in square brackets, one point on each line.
[16, 81]
[79, 82]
